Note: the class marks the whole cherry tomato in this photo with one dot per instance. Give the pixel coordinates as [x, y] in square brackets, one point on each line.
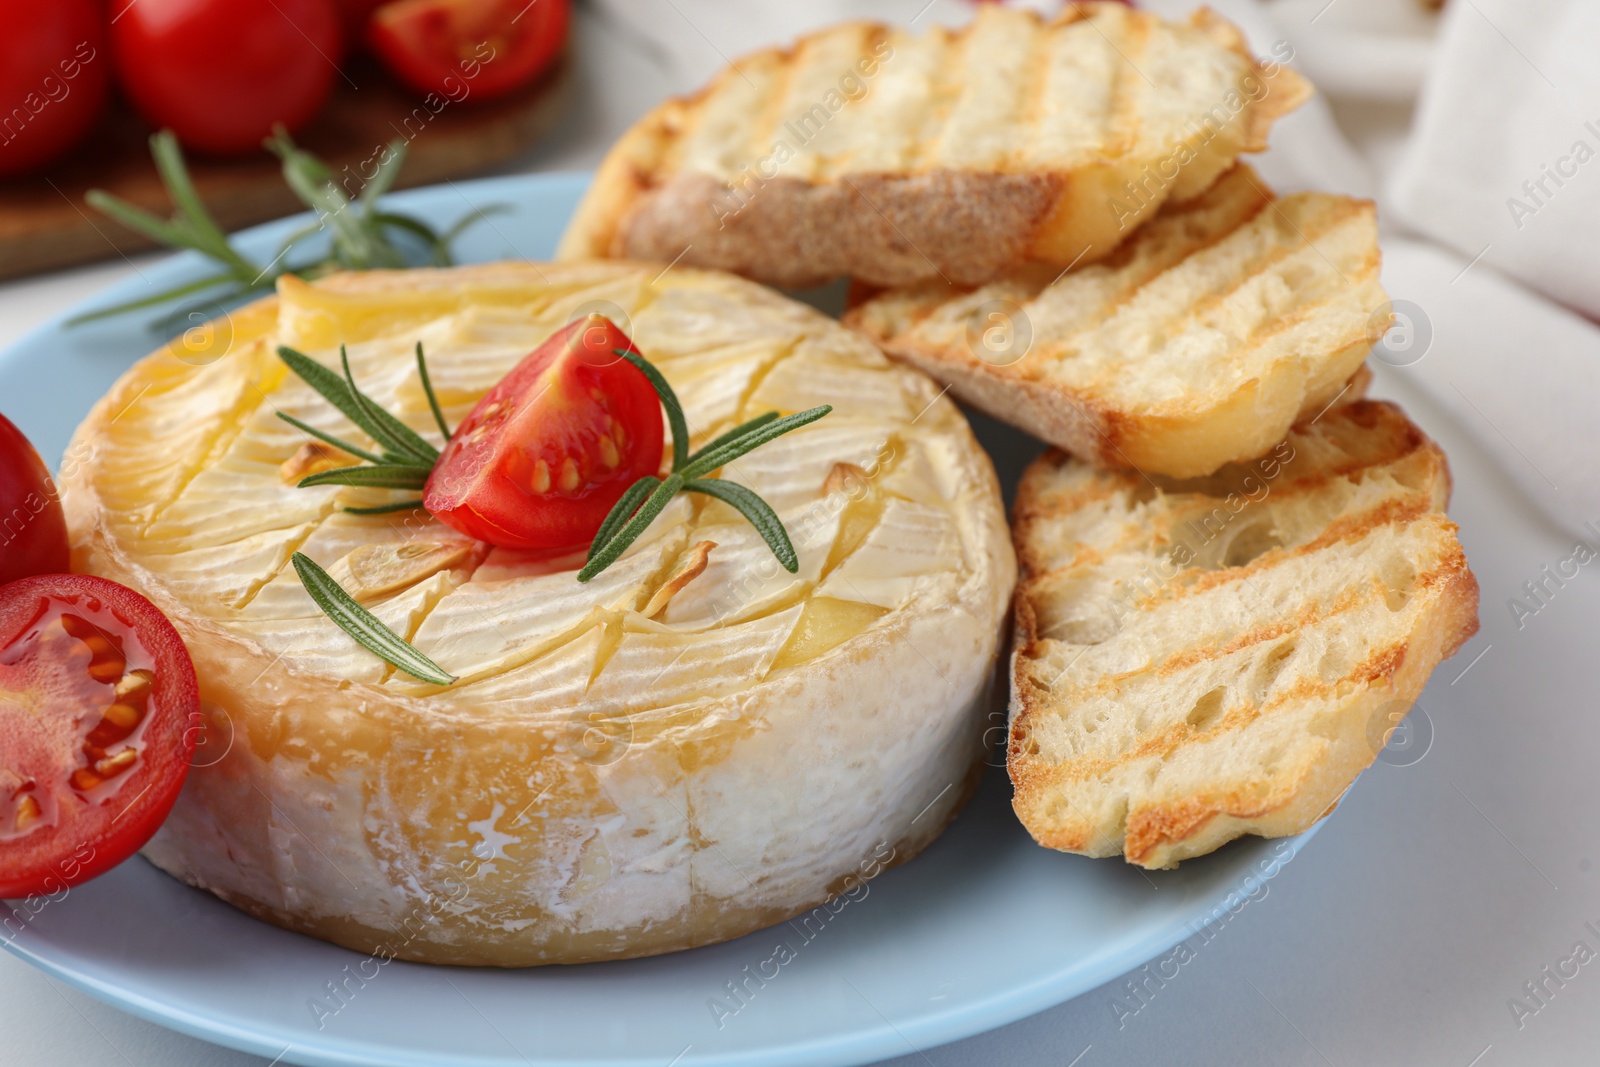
[54, 76]
[33, 530]
[544, 456]
[99, 713]
[354, 14]
[469, 49]
[221, 73]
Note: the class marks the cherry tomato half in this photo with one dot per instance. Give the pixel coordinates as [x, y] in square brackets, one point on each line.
[221, 73]
[54, 76]
[461, 49]
[544, 456]
[99, 712]
[33, 530]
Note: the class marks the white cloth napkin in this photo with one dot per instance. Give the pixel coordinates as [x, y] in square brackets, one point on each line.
[1504, 162]
[1493, 173]
[1517, 371]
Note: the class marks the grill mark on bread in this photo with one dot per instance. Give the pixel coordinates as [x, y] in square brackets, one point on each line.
[1291, 741]
[899, 140]
[1038, 503]
[1260, 266]
[1192, 581]
[1109, 374]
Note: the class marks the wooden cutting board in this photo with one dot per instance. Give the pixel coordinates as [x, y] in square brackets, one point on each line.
[45, 224]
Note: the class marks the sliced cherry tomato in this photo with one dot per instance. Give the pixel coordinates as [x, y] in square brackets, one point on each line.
[542, 459]
[221, 73]
[99, 712]
[461, 49]
[33, 531]
[54, 76]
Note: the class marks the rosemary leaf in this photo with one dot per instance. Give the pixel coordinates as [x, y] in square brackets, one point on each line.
[387, 171]
[669, 400]
[192, 217]
[649, 495]
[733, 434]
[386, 509]
[360, 235]
[712, 458]
[137, 219]
[336, 442]
[630, 533]
[337, 392]
[366, 628]
[624, 508]
[466, 222]
[427, 387]
[758, 511]
[415, 227]
[373, 476]
[162, 297]
[330, 386]
[395, 435]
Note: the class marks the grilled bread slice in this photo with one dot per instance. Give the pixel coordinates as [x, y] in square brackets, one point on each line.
[695, 744]
[1203, 659]
[894, 157]
[1207, 334]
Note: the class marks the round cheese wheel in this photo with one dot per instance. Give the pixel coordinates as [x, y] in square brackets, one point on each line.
[691, 746]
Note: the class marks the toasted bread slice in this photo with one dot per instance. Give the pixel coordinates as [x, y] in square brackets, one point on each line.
[1214, 328]
[1203, 659]
[895, 157]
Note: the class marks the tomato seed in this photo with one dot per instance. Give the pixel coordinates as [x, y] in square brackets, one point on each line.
[28, 812]
[114, 765]
[569, 476]
[541, 477]
[84, 779]
[108, 671]
[123, 717]
[135, 684]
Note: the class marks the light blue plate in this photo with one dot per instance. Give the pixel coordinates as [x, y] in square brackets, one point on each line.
[983, 928]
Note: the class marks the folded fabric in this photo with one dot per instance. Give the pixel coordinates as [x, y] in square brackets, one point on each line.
[1516, 371]
[1504, 163]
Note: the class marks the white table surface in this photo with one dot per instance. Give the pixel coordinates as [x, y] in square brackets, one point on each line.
[1397, 937]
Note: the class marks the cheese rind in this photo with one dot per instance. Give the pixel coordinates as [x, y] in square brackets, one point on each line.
[601, 782]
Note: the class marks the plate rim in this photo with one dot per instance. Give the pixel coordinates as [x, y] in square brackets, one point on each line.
[885, 1040]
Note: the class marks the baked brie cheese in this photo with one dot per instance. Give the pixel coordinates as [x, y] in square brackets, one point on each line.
[695, 744]
[899, 157]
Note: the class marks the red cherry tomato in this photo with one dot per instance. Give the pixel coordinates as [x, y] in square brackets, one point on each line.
[221, 73]
[54, 74]
[353, 14]
[461, 49]
[99, 712]
[33, 530]
[546, 454]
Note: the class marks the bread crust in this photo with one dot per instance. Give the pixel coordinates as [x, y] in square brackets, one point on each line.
[1324, 730]
[927, 221]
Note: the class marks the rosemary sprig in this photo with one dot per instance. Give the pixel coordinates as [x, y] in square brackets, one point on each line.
[362, 235]
[405, 462]
[406, 459]
[361, 624]
[646, 498]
